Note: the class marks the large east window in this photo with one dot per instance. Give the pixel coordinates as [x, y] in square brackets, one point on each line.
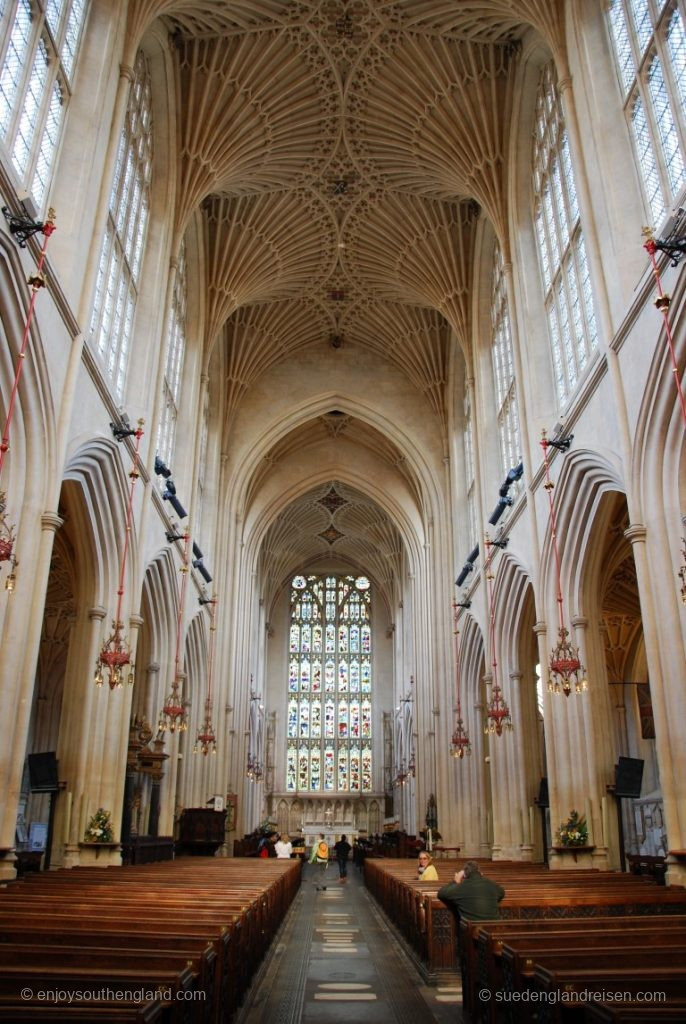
[116, 289]
[562, 252]
[649, 45]
[40, 40]
[329, 704]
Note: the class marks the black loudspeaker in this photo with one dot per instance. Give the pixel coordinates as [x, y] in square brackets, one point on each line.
[543, 799]
[43, 776]
[628, 777]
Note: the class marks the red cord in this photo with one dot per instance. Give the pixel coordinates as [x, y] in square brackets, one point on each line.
[651, 249]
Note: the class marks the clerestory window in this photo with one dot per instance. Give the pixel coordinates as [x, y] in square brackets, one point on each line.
[116, 289]
[40, 41]
[173, 367]
[503, 371]
[649, 44]
[561, 248]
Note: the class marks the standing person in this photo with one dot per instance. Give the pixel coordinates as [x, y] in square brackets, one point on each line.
[320, 858]
[283, 847]
[342, 851]
[472, 896]
[426, 870]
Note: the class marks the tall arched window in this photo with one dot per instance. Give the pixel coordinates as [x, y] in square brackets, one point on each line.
[40, 40]
[116, 289]
[503, 369]
[649, 44]
[329, 706]
[176, 348]
[564, 267]
[470, 478]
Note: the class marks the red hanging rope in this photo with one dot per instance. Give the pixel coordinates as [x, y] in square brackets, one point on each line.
[36, 281]
[491, 601]
[456, 634]
[662, 303]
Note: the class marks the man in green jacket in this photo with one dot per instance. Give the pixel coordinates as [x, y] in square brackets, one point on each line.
[471, 896]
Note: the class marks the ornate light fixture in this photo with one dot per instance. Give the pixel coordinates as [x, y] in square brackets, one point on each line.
[460, 743]
[7, 545]
[674, 245]
[497, 711]
[402, 775]
[115, 653]
[253, 769]
[566, 670]
[21, 228]
[174, 713]
[206, 741]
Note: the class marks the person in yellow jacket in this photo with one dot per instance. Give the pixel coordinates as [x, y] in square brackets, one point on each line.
[426, 870]
[320, 858]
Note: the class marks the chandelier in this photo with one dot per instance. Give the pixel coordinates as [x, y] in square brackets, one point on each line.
[206, 741]
[497, 711]
[115, 653]
[7, 545]
[401, 776]
[21, 228]
[566, 670]
[174, 713]
[253, 768]
[460, 743]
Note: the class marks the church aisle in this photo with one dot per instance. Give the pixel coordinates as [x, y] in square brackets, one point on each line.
[337, 958]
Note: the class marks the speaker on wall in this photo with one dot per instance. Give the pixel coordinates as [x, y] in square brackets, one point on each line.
[543, 799]
[629, 777]
[43, 776]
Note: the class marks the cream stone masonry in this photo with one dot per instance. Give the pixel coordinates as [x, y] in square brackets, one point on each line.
[341, 174]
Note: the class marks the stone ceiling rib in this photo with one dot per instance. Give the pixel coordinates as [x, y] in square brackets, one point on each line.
[428, 119]
[262, 112]
[415, 338]
[264, 248]
[259, 336]
[417, 251]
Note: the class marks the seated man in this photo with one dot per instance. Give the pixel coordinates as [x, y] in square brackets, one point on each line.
[472, 896]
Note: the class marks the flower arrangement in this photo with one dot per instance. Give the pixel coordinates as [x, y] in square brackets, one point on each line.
[574, 831]
[100, 828]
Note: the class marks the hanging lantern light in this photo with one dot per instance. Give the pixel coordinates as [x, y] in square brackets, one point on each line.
[460, 743]
[206, 741]
[566, 671]
[682, 570]
[497, 712]
[115, 653]
[174, 713]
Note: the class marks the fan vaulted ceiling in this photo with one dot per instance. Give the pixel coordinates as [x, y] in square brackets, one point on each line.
[342, 152]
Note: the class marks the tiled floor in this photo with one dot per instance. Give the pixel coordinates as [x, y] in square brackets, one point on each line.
[337, 958]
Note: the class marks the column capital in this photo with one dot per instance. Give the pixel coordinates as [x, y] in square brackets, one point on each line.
[636, 533]
[127, 72]
[51, 521]
[540, 628]
[564, 84]
[579, 621]
[153, 668]
[97, 612]
[136, 621]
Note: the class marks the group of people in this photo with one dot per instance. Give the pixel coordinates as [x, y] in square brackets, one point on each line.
[275, 845]
[320, 858]
[470, 895]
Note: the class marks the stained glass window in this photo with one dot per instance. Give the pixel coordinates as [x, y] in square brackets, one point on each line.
[40, 42]
[649, 44]
[329, 707]
[562, 253]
